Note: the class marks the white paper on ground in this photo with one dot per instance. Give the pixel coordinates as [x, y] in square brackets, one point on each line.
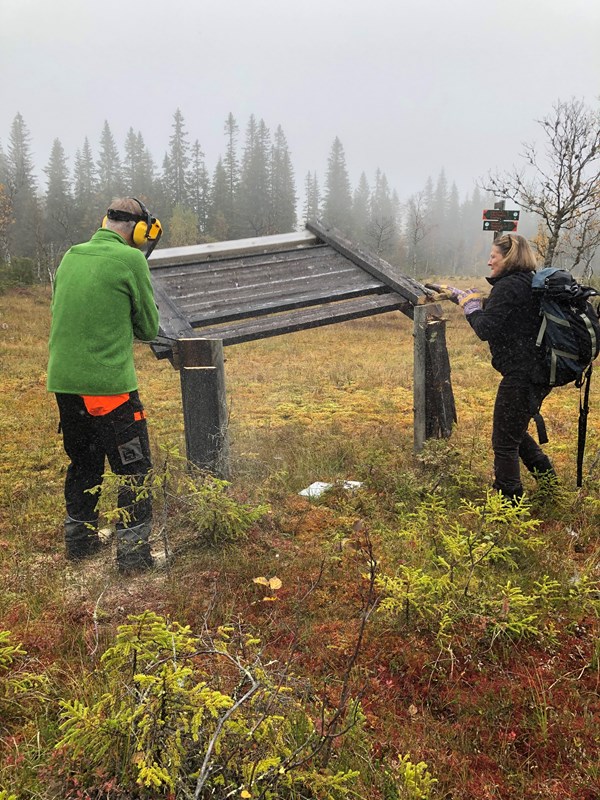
[317, 488]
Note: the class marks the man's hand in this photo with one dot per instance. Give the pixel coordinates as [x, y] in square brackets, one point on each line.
[469, 300]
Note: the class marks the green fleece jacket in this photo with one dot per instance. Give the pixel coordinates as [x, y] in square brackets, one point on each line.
[102, 298]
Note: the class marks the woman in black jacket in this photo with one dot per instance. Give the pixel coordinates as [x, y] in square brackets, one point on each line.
[509, 322]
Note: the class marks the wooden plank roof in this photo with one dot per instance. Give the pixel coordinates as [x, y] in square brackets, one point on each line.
[254, 288]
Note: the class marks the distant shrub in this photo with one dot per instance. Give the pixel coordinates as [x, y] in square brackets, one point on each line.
[20, 272]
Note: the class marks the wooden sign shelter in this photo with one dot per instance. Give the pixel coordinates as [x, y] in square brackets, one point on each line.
[213, 295]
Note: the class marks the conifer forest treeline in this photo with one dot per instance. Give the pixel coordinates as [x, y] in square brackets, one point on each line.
[252, 190]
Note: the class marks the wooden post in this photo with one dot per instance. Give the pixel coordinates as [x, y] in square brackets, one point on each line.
[420, 377]
[440, 410]
[202, 372]
[500, 205]
[434, 409]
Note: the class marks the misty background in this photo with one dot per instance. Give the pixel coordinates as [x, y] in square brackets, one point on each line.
[424, 99]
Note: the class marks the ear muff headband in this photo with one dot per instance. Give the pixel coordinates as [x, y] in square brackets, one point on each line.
[146, 229]
[153, 230]
[141, 232]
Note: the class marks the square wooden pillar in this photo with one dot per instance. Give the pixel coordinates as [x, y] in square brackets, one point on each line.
[434, 407]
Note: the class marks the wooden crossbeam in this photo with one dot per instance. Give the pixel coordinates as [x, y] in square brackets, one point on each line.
[412, 290]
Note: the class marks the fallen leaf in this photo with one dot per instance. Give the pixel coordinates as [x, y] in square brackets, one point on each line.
[261, 581]
[275, 583]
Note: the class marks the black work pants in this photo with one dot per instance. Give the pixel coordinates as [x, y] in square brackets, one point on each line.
[516, 403]
[121, 437]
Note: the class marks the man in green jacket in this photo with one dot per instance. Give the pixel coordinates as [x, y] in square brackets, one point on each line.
[102, 299]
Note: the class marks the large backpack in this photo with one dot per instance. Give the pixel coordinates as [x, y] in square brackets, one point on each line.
[569, 335]
[568, 338]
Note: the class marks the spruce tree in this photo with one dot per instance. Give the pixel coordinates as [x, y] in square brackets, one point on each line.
[254, 191]
[176, 176]
[59, 203]
[109, 170]
[131, 162]
[146, 175]
[454, 241]
[283, 188]
[159, 203]
[337, 205]
[86, 214]
[231, 166]
[312, 198]
[218, 226]
[360, 209]
[439, 214]
[24, 234]
[200, 190]
[138, 167]
[430, 225]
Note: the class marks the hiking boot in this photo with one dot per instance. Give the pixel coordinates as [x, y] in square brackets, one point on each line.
[81, 538]
[547, 483]
[514, 495]
[133, 548]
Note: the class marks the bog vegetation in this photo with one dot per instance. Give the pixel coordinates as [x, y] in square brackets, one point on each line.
[416, 638]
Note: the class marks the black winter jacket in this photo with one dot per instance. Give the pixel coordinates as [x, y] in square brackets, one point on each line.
[509, 323]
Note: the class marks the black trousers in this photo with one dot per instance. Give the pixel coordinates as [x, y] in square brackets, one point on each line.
[516, 403]
[121, 437]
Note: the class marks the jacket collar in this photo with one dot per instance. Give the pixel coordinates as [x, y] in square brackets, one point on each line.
[106, 233]
[506, 274]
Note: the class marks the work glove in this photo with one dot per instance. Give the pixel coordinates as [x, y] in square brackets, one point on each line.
[468, 299]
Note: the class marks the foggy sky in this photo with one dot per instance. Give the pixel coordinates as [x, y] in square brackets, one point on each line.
[409, 87]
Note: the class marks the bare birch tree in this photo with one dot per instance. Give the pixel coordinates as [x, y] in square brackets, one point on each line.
[560, 182]
[417, 227]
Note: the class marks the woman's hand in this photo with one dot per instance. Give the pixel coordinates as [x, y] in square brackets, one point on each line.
[468, 299]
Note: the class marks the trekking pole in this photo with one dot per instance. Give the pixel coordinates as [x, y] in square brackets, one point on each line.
[584, 408]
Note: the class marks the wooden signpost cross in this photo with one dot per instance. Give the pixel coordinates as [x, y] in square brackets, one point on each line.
[499, 220]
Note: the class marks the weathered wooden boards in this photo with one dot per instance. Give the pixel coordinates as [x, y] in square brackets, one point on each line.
[226, 293]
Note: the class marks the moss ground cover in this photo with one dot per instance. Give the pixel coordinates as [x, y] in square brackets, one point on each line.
[481, 649]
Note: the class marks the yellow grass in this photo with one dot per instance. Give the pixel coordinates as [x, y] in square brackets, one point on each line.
[351, 381]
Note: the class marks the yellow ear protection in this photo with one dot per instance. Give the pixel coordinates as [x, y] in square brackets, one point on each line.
[147, 230]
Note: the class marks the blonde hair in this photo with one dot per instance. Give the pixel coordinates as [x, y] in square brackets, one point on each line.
[517, 254]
